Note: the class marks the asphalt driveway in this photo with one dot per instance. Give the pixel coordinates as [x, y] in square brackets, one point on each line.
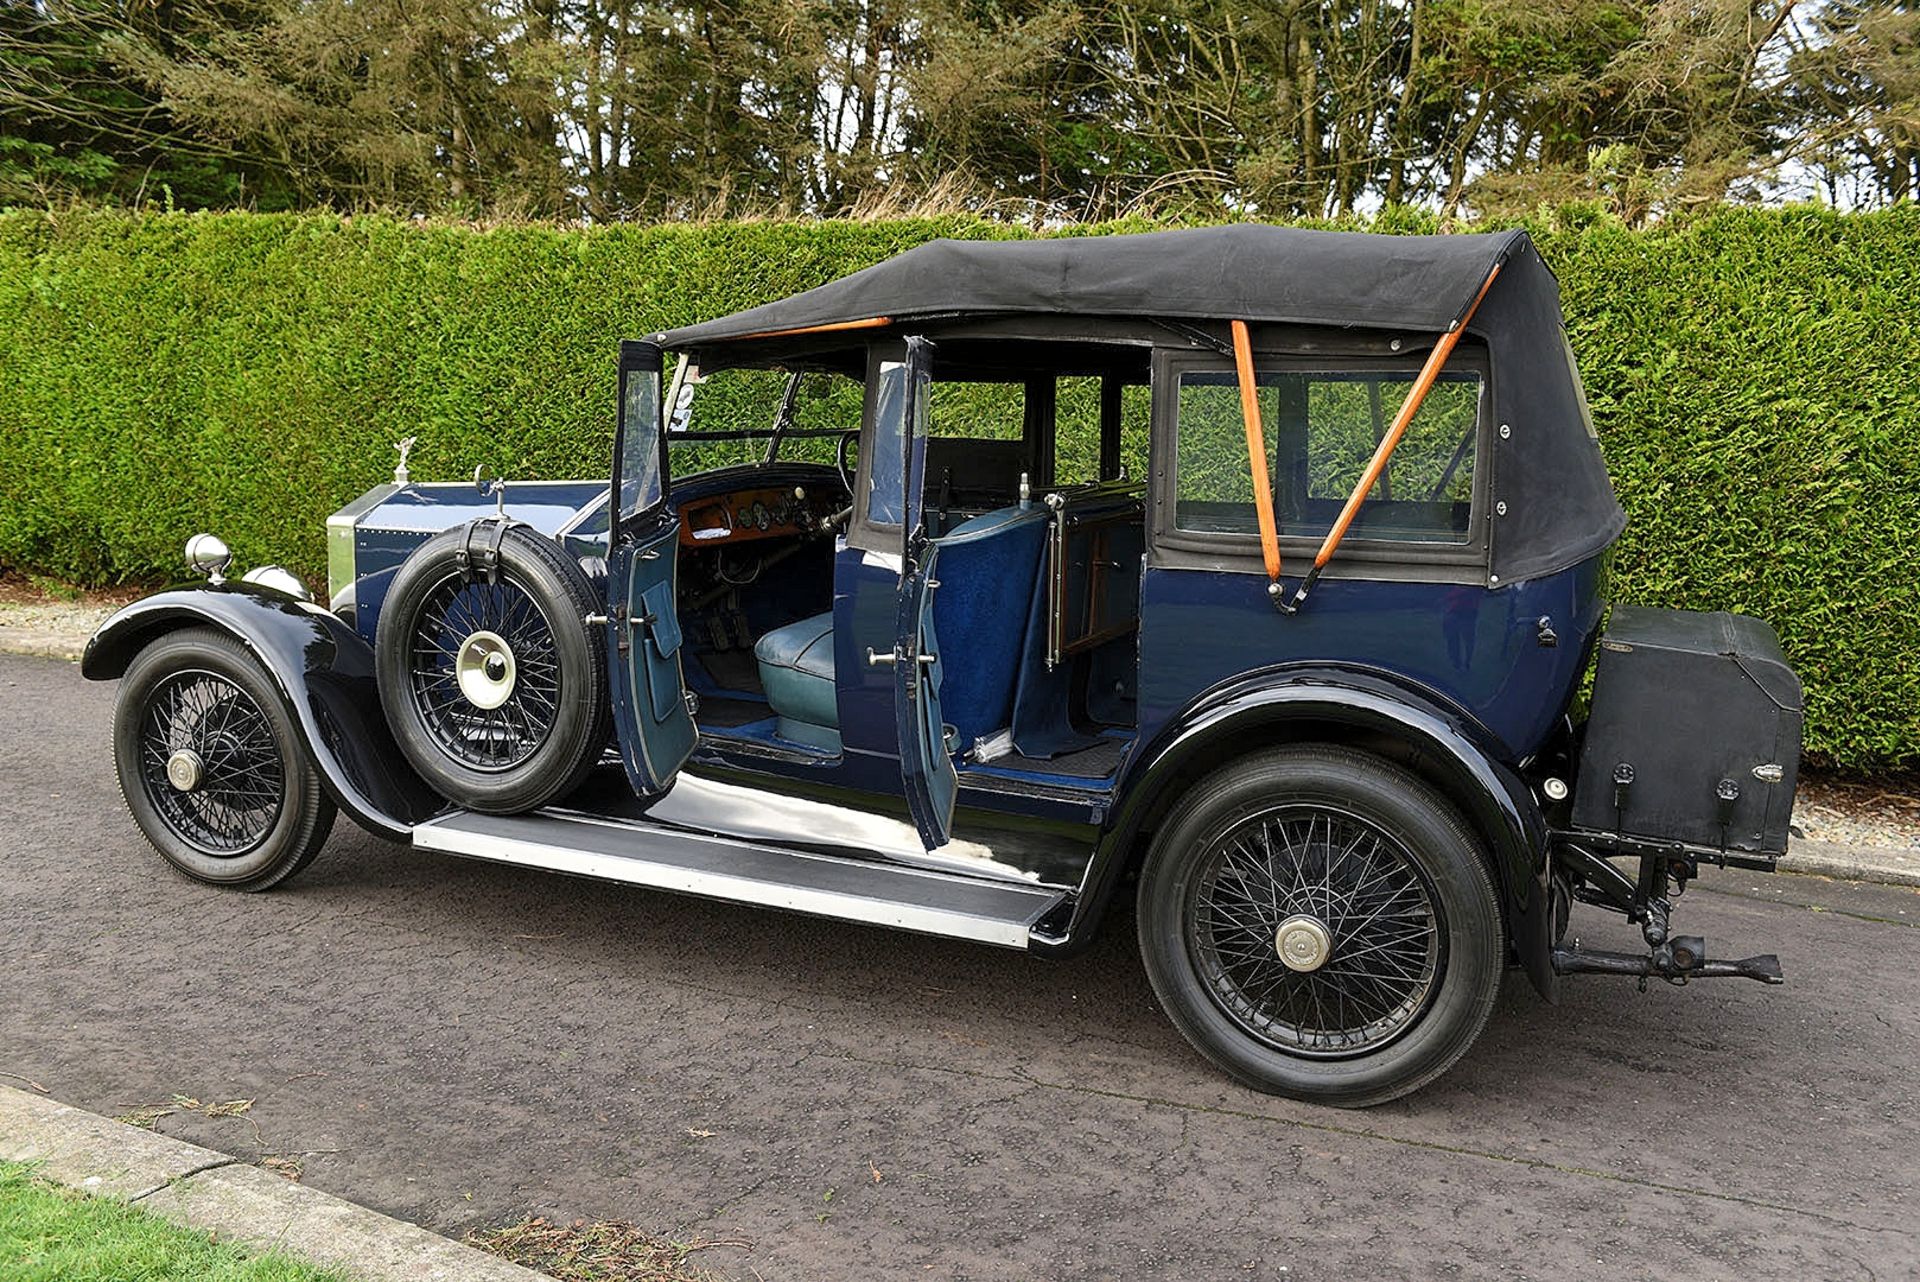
[459, 1043]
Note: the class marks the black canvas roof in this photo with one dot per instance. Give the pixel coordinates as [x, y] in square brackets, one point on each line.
[1246, 271]
[1553, 504]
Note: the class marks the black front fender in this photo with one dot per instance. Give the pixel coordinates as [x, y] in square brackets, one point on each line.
[1440, 741]
[325, 675]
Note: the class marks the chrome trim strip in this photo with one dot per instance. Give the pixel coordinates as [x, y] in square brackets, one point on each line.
[639, 871]
[468, 485]
[342, 563]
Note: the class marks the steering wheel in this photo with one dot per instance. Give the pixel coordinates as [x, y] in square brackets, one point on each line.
[841, 456]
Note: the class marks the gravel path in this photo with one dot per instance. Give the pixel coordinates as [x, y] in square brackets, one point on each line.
[56, 629]
[1883, 813]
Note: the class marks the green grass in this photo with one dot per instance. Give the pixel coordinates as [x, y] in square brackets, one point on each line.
[49, 1234]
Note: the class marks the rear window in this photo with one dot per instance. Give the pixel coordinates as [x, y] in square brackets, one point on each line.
[1321, 428]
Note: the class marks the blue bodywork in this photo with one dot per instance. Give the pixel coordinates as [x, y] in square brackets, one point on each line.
[1461, 678]
[1472, 648]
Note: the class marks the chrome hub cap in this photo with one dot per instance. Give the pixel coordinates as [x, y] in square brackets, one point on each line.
[485, 670]
[185, 770]
[1303, 943]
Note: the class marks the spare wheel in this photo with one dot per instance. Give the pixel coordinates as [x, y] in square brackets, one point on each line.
[493, 683]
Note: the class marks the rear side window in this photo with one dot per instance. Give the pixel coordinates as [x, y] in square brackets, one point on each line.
[1321, 428]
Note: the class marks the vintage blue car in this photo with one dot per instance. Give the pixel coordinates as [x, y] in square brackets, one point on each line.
[1256, 569]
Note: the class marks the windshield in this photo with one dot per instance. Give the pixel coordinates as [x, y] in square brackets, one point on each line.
[749, 416]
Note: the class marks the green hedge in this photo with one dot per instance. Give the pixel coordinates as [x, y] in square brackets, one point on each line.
[1753, 375]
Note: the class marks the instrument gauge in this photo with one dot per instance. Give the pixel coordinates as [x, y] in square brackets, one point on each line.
[761, 517]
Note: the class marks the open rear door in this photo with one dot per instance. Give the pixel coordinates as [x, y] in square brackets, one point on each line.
[653, 719]
[926, 766]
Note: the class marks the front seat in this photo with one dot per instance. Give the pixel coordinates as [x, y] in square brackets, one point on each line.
[987, 570]
[796, 669]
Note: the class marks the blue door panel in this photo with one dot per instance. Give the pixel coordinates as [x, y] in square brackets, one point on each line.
[866, 607]
[1478, 647]
[655, 728]
[926, 767]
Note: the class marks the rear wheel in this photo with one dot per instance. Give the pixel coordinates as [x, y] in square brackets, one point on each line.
[493, 686]
[1320, 924]
[212, 767]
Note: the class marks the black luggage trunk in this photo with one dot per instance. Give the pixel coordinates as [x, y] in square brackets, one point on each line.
[1695, 733]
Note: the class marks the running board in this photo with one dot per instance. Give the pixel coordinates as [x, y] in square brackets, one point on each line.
[642, 854]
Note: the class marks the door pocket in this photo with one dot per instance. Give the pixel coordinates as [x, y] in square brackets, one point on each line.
[662, 650]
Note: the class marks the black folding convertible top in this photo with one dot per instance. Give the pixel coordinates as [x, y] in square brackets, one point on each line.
[1551, 505]
[1246, 271]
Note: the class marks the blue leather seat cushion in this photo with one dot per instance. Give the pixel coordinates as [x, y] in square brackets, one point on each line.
[796, 667]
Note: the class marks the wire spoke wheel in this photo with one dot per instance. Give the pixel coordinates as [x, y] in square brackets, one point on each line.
[493, 684]
[483, 672]
[1316, 931]
[210, 765]
[214, 768]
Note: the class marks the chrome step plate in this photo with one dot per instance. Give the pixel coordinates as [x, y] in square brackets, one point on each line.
[640, 854]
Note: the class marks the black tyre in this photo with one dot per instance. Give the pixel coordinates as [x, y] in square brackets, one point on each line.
[1320, 924]
[212, 768]
[495, 691]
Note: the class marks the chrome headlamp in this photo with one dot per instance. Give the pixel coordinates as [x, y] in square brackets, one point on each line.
[209, 555]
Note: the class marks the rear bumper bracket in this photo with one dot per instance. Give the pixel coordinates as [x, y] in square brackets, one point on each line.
[1679, 961]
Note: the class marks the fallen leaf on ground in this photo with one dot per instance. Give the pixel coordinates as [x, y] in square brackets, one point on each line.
[145, 1118]
[597, 1251]
[291, 1167]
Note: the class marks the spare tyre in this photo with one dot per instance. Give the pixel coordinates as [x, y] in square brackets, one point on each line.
[494, 685]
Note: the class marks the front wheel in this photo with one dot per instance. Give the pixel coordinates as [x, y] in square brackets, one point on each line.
[212, 767]
[1320, 924]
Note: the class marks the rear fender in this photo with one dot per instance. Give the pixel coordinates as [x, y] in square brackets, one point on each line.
[1361, 706]
[324, 672]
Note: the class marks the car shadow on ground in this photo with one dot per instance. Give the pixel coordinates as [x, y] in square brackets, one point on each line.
[972, 997]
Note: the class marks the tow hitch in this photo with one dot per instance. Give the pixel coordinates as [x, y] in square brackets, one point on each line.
[1676, 961]
[1665, 869]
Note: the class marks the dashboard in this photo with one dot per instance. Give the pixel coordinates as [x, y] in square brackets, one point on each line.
[761, 512]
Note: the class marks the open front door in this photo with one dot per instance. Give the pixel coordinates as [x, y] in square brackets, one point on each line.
[925, 764]
[654, 723]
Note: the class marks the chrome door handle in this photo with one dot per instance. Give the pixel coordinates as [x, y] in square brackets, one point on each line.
[891, 658]
[629, 620]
